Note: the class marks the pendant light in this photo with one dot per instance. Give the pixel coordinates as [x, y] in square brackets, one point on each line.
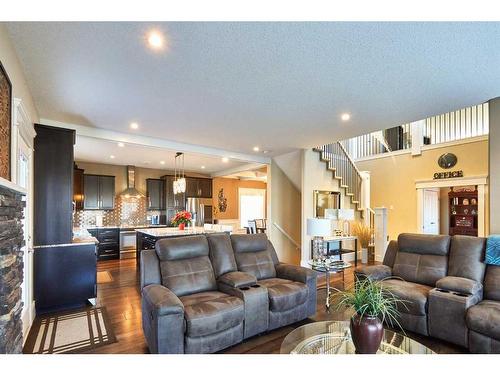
[179, 185]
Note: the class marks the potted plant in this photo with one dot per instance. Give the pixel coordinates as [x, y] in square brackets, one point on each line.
[373, 304]
[364, 234]
[181, 218]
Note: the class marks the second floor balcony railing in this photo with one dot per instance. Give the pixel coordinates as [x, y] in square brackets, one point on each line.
[452, 126]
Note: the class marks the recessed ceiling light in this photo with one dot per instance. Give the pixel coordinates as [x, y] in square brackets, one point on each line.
[162, 162]
[266, 151]
[121, 144]
[345, 116]
[134, 125]
[225, 160]
[112, 156]
[202, 167]
[155, 40]
[256, 149]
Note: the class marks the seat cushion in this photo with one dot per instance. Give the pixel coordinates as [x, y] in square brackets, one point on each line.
[284, 294]
[207, 313]
[415, 295]
[484, 318]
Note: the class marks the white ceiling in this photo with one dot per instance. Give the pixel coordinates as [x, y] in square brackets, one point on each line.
[99, 151]
[280, 86]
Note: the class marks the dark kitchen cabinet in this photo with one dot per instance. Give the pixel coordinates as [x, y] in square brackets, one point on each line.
[53, 185]
[78, 187]
[99, 192]
[198, 187]
[205, 187]
[155, 194]
[109, 242]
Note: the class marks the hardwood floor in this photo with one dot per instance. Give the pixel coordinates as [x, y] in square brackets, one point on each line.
[120, 295]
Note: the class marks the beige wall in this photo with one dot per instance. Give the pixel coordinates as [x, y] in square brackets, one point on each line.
[393, 180]
[315, 176]
[494, 172]
[286, 212]
[231, 186]
[12, 66]
[444, 211]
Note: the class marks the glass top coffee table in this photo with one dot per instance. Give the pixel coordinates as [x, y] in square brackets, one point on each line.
[334, 337]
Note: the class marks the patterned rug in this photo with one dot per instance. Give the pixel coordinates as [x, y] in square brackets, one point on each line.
[70, 332]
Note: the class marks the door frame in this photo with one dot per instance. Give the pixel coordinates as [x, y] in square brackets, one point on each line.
[436, 190]
[480, 181]
[23, 132]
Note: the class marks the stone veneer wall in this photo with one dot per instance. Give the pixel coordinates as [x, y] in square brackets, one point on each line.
[11, 271]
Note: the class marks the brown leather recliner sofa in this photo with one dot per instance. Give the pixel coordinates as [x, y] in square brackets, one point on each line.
[442, 278]
[204, 293]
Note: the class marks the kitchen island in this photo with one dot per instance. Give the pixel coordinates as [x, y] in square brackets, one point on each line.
[146, 238]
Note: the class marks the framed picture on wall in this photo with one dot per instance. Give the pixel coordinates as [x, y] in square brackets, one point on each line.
[5, 123]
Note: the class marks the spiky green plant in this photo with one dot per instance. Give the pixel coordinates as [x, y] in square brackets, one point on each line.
[372, 299]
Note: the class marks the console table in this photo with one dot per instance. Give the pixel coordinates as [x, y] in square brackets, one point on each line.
[329, 241]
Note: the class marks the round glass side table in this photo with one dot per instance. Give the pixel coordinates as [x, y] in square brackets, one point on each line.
[328, 266]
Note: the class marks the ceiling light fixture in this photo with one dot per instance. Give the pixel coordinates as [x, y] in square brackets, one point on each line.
[155, 40]
[256, 149]
[345, 116]
[162, 162]
[134, 125]
[225, 160]
[202, 167]
[121, 144]
[112, 156]
[179, 185]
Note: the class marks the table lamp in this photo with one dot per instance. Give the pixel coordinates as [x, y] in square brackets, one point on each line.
[345, 215]
[318, 228]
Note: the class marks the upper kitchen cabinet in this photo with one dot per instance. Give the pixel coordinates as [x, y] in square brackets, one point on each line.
[99, 192]
[198, 187]
[155, 194]
[78, 187]
[53, 185]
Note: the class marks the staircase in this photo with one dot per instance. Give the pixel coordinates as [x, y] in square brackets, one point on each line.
[345, 171]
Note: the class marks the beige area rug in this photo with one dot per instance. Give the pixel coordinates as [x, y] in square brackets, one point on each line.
[70, 332]
[104, 277]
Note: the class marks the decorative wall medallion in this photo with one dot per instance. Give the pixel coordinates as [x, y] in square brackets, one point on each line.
[222, 201]
[5, 123]
[447, 160]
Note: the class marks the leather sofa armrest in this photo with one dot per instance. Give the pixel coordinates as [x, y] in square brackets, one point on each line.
[237, 279]
[459, 285]
[161, 301]
[295, 273]
[375, 273]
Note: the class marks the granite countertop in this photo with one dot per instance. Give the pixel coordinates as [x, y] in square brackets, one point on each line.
[122, 226]
[167, 232]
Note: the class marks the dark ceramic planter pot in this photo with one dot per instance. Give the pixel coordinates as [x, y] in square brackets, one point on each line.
[366, 334]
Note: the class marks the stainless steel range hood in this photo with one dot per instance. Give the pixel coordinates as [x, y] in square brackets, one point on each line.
[131, 191]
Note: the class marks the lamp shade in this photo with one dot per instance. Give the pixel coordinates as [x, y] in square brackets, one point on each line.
[346, 214]
[319, 227]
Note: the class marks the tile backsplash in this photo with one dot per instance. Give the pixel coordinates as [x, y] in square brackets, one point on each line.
[128, 211]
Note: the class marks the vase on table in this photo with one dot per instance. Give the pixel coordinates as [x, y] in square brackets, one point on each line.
[182, 226]
[367, 333]
[364, 255]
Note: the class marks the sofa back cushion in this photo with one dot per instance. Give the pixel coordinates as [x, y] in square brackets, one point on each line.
[421, 258]
[221, 253]
[185, 265]
[254, 255]
[467, 257]
[492, 283]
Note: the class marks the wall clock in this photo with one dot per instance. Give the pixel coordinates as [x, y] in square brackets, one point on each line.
[447, 160]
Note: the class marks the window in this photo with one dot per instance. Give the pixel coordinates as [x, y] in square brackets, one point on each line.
[252, 205]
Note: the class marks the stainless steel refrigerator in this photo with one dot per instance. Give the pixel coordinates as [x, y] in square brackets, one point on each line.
[201, 210]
